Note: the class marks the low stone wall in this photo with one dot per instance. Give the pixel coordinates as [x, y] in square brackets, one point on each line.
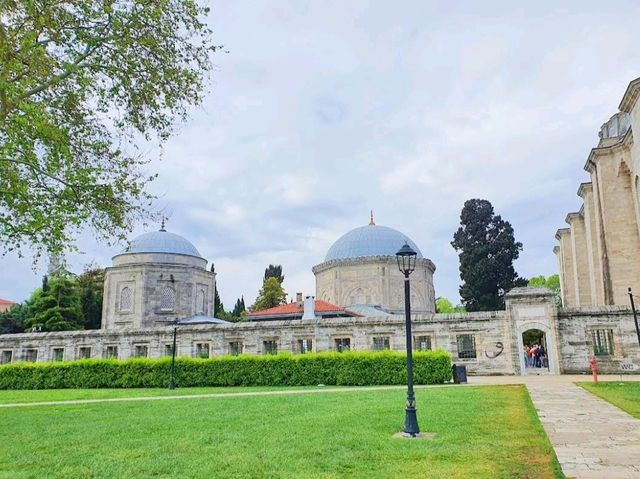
[361, 334]
[576, 330]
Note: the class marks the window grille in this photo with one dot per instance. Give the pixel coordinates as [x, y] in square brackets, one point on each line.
[126, 299]
[141, 351]
[381, 343]
[305, 346]
[112, 352]
[168, 349]
[466, 346]
[31, 355]
[202, 350]
[422, 343]
[270, 347]
[6, 357]
[602, 342]
[343, 344]
[235, 348]
[58, 354]
[167, 299]
[84, 353]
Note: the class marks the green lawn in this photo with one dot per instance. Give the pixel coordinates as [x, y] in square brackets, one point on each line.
[42, 395]
[481, 432]
[625, 395]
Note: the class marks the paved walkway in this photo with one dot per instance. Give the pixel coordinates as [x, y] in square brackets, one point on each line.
[591, 437]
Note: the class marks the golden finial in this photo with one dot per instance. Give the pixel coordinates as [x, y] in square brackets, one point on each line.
[372, 223]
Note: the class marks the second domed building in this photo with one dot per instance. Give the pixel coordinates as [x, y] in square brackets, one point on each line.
[360, 269]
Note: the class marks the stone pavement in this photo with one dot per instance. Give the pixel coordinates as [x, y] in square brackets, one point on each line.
[591, 437]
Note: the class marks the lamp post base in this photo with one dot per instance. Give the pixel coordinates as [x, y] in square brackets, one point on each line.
[420, 435]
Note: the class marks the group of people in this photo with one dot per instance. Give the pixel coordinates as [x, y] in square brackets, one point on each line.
[535, 356]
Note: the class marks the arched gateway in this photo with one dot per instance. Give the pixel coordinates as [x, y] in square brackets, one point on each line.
[534, 319]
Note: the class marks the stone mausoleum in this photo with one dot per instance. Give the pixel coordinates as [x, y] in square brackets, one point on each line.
[161, 276]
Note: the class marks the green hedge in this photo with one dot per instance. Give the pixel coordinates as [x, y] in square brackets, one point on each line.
[348, 369]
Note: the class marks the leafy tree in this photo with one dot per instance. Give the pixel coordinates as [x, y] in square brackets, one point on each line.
[14, 320]
[80, 82]
[443, 305]
[90, 290]
[487, 248]
[274, 271]
[552, 282]
[218, 307]
[239, 309]
[58, 309]
[270, 295]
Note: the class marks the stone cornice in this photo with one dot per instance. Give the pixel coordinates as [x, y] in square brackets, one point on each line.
[623, 143]
[630, 96]
[571, 217]
[562, 231]
[367, 260]
[584, 188]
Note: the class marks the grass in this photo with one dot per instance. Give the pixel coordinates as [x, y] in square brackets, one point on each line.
[481, 432]
[44, 395]
[625, 395]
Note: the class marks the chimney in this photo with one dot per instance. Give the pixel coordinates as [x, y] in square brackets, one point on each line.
[309, 308]
[299, 300]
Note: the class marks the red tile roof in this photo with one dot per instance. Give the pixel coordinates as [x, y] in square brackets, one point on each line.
[292, 308]
[6, 301]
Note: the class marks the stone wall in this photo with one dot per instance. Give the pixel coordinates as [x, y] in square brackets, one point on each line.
[485, 342]
[576, 328]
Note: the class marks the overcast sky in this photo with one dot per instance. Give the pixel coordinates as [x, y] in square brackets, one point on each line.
[321, 111]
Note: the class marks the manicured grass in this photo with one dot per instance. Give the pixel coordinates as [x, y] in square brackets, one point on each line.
[481, 432]
[43, 395]
[625, 395]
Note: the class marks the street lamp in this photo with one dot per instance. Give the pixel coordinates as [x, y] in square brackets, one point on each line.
[406, 257]
[172, 382]
[194, 320]
[635, 315]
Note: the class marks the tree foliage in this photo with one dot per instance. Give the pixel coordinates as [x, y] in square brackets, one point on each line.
[270, 295]
[487, 248]
[552, 282]
[274, 271]
[65, 302]
[443, 305]
[80, 82]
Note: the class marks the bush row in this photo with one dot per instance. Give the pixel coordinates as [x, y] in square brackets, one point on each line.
[348, 368]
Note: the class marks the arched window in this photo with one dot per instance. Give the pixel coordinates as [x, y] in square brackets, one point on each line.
[201, 306]
[168, 299]
[126, 299]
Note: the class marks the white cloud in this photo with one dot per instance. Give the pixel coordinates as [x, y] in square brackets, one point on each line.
[322, 111]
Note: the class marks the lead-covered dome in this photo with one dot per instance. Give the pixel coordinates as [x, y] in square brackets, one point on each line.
[162, 242]
[371, 240]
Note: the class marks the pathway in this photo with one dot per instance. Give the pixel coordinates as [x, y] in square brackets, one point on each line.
[592, 438]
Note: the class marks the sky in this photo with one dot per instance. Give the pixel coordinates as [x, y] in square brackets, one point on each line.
[322, 111]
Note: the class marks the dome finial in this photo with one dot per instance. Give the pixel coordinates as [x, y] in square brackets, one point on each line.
[162, 225]
[372, 223]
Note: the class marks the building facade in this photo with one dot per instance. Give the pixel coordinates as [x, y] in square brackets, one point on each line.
[599, 252]
[360, 269]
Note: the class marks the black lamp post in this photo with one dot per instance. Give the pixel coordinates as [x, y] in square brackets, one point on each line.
[635, 314]
[172, 383]
[406, 257]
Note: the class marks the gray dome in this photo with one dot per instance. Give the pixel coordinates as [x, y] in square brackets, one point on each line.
[161, 242]
[372, 240]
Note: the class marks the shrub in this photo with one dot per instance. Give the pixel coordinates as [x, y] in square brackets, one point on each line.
[347, 369]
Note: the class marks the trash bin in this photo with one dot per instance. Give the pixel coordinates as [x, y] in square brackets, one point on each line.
[459, 374]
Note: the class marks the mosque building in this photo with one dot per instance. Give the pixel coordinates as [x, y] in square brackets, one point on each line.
[162, 277]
